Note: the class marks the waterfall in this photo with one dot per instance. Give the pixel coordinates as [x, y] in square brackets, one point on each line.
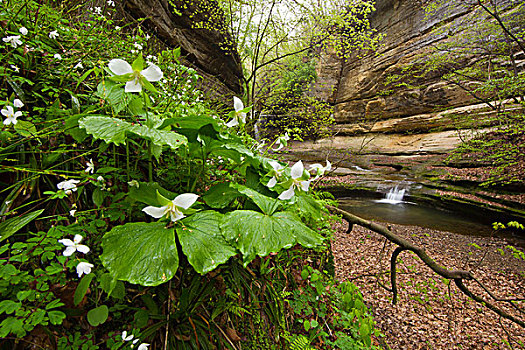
[394, 196]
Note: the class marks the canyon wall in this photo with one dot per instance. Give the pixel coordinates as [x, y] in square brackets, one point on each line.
[209, 51]
[368, 103]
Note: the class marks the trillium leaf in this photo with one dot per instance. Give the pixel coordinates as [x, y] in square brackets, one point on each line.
[220, 196]
[309, 207]
[255, 233]
[141, 253]
[147, 193]
[202, 241]
[106, 128]
[267, 204]
[195, 122]
[159, 137]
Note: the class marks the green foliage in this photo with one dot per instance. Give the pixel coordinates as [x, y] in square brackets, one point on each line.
[152, 215]
[29, 276]
[287, 100]
[319, 299]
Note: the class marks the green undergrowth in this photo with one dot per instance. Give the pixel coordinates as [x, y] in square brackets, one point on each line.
[135, 216]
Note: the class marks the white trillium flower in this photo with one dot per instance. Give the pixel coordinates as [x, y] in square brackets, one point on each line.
[121, 67]
[57, 56]
[72, 212]
[73, 245]
[173, 209]
[143, 346]
[321, 170]
[17, 103]
[239, 116]
[15, 68]
[277, 171]
[53, 35]
[14, 40]
[90, 167]
[111, 3]
[11, 115]
[78, 65]
[68, 185]
[84, 268]
[126, 337]
[297, 173]
[23, 31]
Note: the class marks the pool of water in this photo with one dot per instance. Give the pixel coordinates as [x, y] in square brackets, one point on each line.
[408, 213]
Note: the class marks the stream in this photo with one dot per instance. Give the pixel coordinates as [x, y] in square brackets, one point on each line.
[397, 208]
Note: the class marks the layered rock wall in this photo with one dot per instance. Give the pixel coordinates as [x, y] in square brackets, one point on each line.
[207, 50]
[365, 99]
[363, 93]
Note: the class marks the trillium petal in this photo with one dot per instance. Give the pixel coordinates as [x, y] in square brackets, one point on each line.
[133, 86]
[305, 185]
[297, 170]
[316, 166]
[77, 239]
[119, 67]
[156, 212]
[69, 251]
[176, 215]
[232, 123]
[328, 166]
[275, 165]
[83, 249]
[272, 182]
[243, 117]
[152, 73]
[126, 337]
[66, 241]
[237, 104]
[287, 194]
[84, 268]
[8, 111]
[185, 200]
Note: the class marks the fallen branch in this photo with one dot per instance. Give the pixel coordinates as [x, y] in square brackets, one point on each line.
[457, 275]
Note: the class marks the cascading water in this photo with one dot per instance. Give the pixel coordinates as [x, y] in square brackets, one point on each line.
[394, 196]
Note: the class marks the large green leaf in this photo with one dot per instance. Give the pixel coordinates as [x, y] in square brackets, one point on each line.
[106, 128]
[202, 241]
[141, 253]
[147, 193]
[255, 233]
[114, 94]
[11, 226]
[195, 123]
[219, 196]
[267, 204]
[309, 207]
[159, 137]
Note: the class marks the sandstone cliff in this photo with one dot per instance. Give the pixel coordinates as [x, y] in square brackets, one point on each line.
[204, 49]
[366, 102]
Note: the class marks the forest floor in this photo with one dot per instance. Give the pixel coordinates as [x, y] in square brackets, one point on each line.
[431, 313]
